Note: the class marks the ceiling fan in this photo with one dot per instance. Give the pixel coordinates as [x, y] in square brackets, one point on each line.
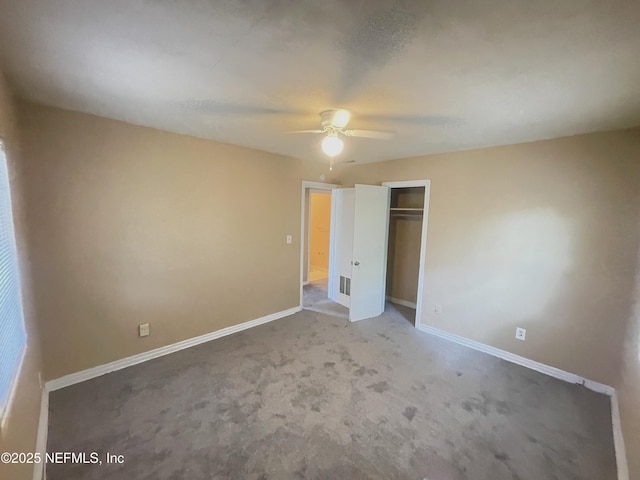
[333, 123]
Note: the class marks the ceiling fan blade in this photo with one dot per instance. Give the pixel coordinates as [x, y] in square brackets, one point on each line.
[306, 131]
[436, 120]
[213, 107]
[377, 134]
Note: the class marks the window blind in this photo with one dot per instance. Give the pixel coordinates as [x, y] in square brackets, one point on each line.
[12, 333]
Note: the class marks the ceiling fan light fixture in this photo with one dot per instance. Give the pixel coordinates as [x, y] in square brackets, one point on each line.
[332, 145]
[341, 118]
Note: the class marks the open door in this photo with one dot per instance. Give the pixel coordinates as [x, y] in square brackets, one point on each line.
[369, 264]
[360, 220]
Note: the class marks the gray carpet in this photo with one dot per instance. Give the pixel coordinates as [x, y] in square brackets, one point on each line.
[315, 299]
[314, 396]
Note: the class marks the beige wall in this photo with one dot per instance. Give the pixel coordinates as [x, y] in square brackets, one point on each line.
[320, 216]
[403, 259]
[131, 225]
[21, 425]
[545, 236]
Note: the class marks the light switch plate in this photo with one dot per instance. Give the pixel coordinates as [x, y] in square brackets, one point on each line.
[289, 239]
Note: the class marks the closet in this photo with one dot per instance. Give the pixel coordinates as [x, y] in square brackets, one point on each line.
[406, 214]
[379, 238]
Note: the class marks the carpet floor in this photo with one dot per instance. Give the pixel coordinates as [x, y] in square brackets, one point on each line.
[315, 298]
[314, 396]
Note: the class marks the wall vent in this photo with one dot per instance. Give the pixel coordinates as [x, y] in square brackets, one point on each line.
[345, 286]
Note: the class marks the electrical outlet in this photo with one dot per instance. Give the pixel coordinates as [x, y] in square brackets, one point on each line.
[289, 239]
[437, 309]
[143, 329]
[521, 333]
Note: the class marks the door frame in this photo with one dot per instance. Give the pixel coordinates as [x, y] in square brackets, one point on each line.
[307, 185]
[423, 241]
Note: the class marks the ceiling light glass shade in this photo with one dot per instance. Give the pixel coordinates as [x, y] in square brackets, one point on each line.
[341, 118]
[332, 145]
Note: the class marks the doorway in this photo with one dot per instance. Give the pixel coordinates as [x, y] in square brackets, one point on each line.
[319, 236]
[362, 256]
[317, 250]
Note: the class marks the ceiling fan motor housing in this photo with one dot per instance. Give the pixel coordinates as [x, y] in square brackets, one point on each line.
[326, 118]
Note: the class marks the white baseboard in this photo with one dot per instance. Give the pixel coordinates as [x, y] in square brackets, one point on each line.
[399, 301]
[43, 430]
[517, 359]
[618, 439]
[94, 372]
[318, 269]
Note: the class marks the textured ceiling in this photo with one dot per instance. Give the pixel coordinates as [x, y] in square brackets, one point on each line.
[445, 75]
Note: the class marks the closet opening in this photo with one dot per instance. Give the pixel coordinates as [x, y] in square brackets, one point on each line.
[406, 217]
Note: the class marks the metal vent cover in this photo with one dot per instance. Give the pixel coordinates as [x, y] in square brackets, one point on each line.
[345, 286]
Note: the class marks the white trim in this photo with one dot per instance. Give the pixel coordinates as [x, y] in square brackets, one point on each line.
[319, 185]
[618, 439]
[304, 236]
[423, 241]
[407, 184]
[598, 387]
[5, 411]
[399, 301]
[41, 439]
[320, 269]
[332, 287]
[307, 233]
[322, 272]
[94, 372]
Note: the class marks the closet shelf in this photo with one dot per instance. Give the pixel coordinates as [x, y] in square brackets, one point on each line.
[395, 209]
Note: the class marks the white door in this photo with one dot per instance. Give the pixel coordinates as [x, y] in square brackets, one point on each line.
[342, 212]
[369, 268]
